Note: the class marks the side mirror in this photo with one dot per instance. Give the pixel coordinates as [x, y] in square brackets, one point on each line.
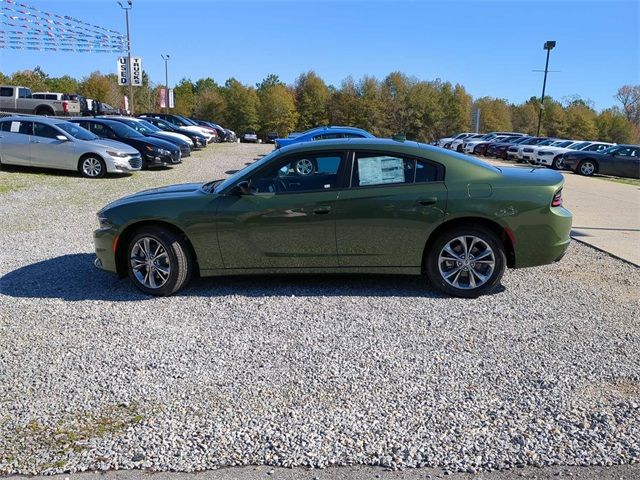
[244, 188]
[62, 138]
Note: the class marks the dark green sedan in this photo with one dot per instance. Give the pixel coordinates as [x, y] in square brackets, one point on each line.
[342, 206]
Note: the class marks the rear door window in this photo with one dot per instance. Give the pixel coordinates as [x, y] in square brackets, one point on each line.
[376, 169]
[14, 126]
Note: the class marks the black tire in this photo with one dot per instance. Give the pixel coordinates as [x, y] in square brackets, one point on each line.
[178, 260]
[92, 166]
[45, 111]
[489, 239]
[587, 167]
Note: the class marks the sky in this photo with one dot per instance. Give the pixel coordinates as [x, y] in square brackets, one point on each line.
[490, 47]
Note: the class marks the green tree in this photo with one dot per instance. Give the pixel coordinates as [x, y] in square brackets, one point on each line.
[343, 105]
[35, 79]
[370, 112]
[185, 98]
[242, 104]
[312, 96]
[495, 114]
[64, 84]
[524, 117]
[96, 86]
[613, 126]
[553, 119]
[580, 120]
[277, 109]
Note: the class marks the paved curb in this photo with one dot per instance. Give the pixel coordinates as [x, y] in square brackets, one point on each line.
[584, 242]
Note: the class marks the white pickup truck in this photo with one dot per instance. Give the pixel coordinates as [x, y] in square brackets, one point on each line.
[20, 100]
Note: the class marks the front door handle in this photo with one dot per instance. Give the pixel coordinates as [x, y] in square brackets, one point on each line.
[322, 210]
[425, 202]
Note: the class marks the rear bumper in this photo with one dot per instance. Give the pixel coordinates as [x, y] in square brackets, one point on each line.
[543, 241]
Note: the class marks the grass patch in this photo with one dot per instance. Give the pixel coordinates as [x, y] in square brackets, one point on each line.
[68, 435]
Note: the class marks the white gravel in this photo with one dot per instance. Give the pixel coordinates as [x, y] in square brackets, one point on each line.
[306, 371]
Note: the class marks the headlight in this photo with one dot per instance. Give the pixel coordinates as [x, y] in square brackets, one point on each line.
[104, 222]
[162, 151]
[117, 154]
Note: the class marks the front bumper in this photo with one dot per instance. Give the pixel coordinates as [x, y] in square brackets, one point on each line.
[104, 240]
[570, 163]
[124, 165]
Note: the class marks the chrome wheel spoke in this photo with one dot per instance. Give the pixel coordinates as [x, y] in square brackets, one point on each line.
[461, 268]
[150, 263]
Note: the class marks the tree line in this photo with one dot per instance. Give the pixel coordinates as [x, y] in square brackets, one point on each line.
[422, 110]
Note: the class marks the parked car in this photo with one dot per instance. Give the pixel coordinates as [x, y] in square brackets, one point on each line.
[514, 150]
[249, 136]
[155, 152]
[221, 133]
[525, 152]
[552, 156]
[618, 160]
[467, 145]
[182, 123]
[230, 136]
[441, 142]
[20, 100]
[271, 137]
[324, 133]
[198, 139]
[56, 143]
[529, 153]
[267, 218]
[498, 149]
[480, 148]
[149, 130]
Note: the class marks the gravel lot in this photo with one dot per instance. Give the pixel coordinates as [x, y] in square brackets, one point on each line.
[298, 371]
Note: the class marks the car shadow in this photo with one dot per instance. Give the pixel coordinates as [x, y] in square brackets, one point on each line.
[54, 172]
[74, 278]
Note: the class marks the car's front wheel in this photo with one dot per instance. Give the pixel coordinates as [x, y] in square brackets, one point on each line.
[557, 162]
[92, 166]
[466, 261]
[587, 168]
[159, 261]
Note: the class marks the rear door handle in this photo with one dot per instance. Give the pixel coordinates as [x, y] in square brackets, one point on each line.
[322, 210]
[427, 201]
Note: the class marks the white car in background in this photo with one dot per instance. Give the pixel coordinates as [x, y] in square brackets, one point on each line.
[551, 156]
[526, 153]
[447, 140]
[457, 145]
[468, 145]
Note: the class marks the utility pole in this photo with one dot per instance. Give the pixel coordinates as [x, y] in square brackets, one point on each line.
[166, 83]
[548, 46]
[129, 66]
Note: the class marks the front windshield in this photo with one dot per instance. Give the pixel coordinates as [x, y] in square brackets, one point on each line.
[563, 143]
[124, 131]
[150, 126]
[76, 131]
[187, 122]
[579, 145]
[233, 179]
[546, 142]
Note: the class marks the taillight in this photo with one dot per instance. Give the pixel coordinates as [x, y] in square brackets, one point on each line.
[557, 199]
[65, 106]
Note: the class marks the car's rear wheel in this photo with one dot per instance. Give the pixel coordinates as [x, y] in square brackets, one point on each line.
[159, 261]
[587, 168]
[466, 261]
[92, 166]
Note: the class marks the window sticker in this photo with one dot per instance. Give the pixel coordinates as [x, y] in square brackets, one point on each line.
[380, 170]
[15, 127]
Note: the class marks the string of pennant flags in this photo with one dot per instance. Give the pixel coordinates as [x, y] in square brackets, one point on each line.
[34, 29]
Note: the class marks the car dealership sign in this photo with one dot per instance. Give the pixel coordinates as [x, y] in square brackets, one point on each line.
[136, 71]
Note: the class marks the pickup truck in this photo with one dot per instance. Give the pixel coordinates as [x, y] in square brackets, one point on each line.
[20, 100]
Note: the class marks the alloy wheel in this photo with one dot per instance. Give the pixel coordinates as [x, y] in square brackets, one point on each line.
[304, 166]
[587, 168]
[466, 262]
[150, 262]
[91, 167]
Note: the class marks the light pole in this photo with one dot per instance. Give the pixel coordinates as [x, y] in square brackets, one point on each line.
[548, 46]
[126, 15]
[166, 83]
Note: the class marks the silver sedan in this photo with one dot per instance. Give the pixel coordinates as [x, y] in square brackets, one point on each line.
[36, 141]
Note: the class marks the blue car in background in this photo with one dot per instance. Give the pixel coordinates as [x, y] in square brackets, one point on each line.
[323, 133]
